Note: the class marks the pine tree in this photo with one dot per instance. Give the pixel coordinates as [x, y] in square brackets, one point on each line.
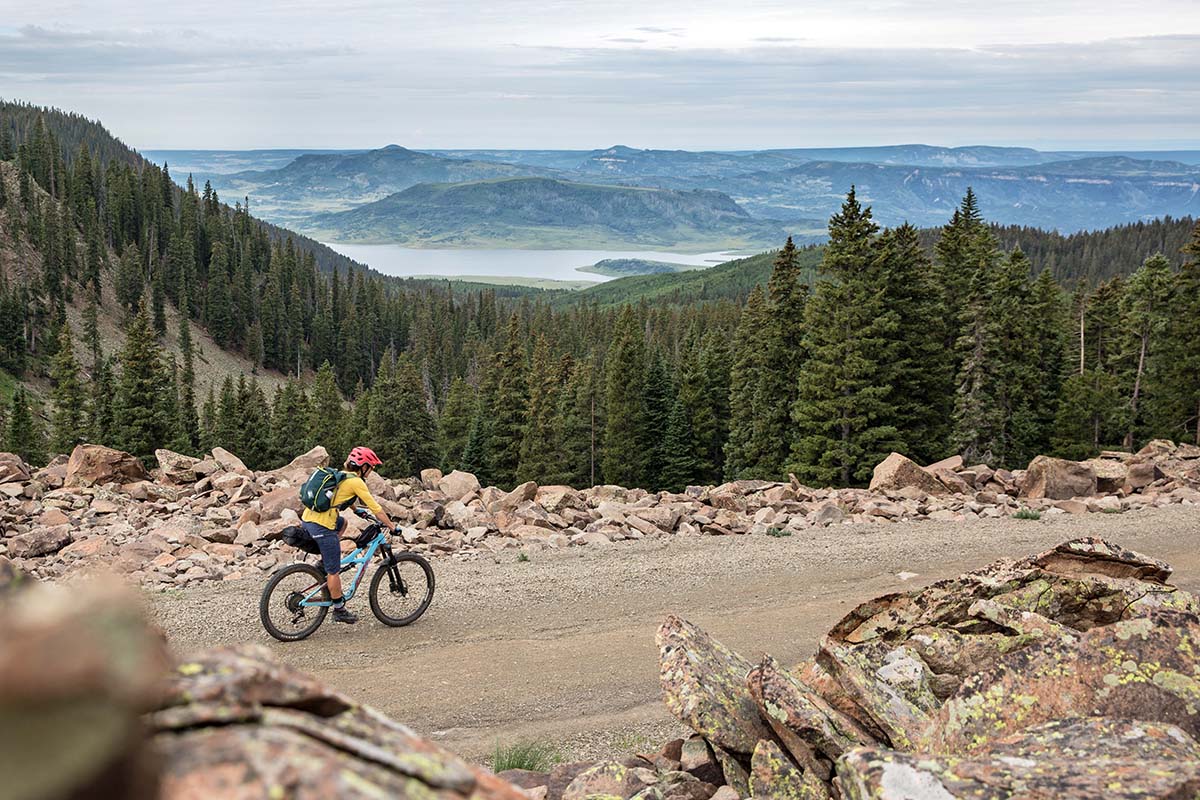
[289, 417]
[509, 407]
[920, 368]
[187, 387]
[326, 411]
[746, 449]
[158, 301]
[227, 433]
[140, 426]
[580, 425]
[976, 407]
[842, 412]
[539, 448]
[1145, 309]
[454, 425]
[1048, 320]
[67, 418]
[679, 460]
[255, 419]
[1175, 373]
[625, 395]
[131, 279]
[209, 422]
[402, 429]
[24, 433]
[101, 419]
[704, 393]
[658, 399]
[783, 359]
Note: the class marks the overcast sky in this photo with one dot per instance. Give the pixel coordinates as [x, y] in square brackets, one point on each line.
[672, 74]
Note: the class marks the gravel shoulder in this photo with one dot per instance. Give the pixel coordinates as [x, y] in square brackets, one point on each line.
[562, 647]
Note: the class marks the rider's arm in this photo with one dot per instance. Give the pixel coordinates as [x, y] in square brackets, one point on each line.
[367, 499]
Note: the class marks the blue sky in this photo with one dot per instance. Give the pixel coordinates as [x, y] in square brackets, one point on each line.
[671, 74]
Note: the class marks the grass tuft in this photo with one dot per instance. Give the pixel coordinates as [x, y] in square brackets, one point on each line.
[778, 532]
[522, 558]
[1027, 513]
[534, 756]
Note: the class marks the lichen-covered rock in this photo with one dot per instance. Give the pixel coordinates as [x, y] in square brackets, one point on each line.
[610, 779]
[1141, 668]
[78, 667]
[773, 776]
[704, 685]
[1074, 758]
[891, 684]
[237, 724]
[801, 719]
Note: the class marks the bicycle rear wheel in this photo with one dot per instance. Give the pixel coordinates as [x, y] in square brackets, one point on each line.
[400, 598]
[280, 609]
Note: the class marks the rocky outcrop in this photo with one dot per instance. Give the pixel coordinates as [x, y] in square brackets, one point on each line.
[235, 723]
[1068, 674]
[93, 465]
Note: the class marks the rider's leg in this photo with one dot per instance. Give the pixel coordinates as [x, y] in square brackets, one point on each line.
[331, 561]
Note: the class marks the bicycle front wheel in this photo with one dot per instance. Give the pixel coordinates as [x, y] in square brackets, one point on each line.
[401, 592]
[280, 609]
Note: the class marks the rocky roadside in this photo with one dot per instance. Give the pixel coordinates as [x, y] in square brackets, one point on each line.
[199, 520]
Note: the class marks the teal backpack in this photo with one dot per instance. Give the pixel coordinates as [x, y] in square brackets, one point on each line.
[317, 492]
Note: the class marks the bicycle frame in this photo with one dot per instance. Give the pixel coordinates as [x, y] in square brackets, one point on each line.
[359, 557]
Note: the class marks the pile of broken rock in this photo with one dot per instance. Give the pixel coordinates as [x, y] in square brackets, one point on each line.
[196, 520]
[1070, 674]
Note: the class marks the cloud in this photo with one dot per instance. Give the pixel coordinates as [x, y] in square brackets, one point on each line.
[94, 55]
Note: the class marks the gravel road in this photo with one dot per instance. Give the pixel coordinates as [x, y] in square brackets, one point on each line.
[562, 647]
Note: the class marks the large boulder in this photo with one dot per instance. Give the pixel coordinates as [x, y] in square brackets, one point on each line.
[1110, 474]
[78, 668]
[230, 463]
[704, 685]
[13, 469]
[898, 472]
[93, 465]
[300, 467]
[235, 723]
[458, 485]
[1058, 479]
[176, 467]
[39, 542]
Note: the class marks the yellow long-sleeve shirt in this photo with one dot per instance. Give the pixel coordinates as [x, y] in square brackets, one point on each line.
[352, 488]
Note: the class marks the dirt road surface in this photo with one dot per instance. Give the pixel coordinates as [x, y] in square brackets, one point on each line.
[561, 647]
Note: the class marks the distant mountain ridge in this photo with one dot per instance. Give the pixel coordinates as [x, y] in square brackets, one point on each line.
[338, 181]
[546, 212]
[921, 184]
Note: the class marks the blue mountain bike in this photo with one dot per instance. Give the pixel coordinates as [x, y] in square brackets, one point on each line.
[295, 600]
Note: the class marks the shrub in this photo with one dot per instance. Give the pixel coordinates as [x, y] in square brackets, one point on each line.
[522, 558]
[778, 532]
[1027, 513]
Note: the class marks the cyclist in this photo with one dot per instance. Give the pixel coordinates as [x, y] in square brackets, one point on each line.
[325, 527]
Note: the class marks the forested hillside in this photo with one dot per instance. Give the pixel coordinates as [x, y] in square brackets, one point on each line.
[864, 346]
[541, 212]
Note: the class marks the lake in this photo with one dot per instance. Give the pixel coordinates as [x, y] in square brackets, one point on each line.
[561, 265]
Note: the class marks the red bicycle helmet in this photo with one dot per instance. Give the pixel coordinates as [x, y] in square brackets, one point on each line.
[363, 457]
